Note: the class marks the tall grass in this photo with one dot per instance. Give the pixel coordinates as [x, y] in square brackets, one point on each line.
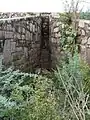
[75, 106]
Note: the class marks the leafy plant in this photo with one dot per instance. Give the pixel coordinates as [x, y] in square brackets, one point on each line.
[65, 18]
[85, 70]
[27, 96]
[68, 40]
[76, 99]
[85, 15]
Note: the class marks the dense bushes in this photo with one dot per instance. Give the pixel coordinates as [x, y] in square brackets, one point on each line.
[72, 83]
[56, 96]
[60, 95]
[85, 70]
[85, 15]
[27, 97]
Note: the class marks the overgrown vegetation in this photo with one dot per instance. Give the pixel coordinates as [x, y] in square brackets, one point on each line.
[68, 42]
[72, 83]
[63, 94]
[27, 97]
[85, 15]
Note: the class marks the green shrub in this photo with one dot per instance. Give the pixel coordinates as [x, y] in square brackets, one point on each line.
[66, 18]
[85, 69]
[85, 15]
[68, 40]
[27, 97]
[70, 81]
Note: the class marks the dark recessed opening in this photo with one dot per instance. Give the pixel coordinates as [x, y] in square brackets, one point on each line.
[2, 41]
[45, 51]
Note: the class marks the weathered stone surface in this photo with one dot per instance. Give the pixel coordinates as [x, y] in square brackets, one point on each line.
[83, 32]
[83, 52]
[8, 35]
[7, 52]
[56, 29]
[9, 27]
[84, 40]
[34, 44]
[88, 41]
[81, 23]
[1, 34]
[28, 35]
[57, 35]
[19, 42]
[13, 47]
[88, 56]
[84, 27]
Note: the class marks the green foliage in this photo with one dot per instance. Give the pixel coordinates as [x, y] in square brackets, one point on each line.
[54, 96]
[66, 18]
[85, 69]
[68, 41]
[26, 96]
[70, 81]
[85, 15]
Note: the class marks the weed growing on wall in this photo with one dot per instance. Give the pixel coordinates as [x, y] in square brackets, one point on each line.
[68, 41]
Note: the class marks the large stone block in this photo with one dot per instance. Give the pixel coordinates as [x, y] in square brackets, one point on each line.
[31, 27]
[83, 32]
[7, 52]
[57, 35]
[83, 52]
[84, 40]
[18, 35]
[9, 35]
[88, 55]
[88, 41]
[28, 35]
[81, 23]
[23, 37]
[13, 47]
[2, 34]
[26, 52]
[18, 49]
[9, 27]
[23, 30]
[56, 29]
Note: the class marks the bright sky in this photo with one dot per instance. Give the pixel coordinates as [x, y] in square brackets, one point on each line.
[35, 5]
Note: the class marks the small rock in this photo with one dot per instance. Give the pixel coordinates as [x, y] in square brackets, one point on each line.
[83, 32]
[81, 23]
[56, 29]
[84, 40]
[88, 41]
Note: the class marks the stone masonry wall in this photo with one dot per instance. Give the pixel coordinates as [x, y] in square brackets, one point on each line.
[84, 31]
[22, 43]
[55, 39]
[83, 40]
[35, 42]
[30, 43]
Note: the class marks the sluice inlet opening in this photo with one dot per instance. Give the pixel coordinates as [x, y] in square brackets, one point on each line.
[45, 51]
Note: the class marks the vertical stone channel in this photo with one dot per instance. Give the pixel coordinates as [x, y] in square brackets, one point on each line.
[45, 55]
